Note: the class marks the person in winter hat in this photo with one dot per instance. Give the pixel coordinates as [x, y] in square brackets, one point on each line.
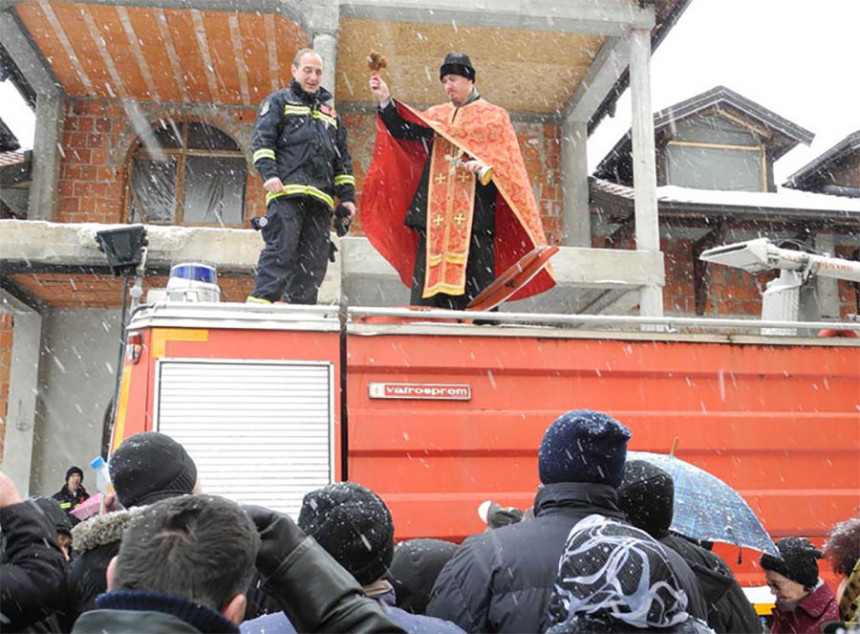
[803, 601]
[842, 549]
[617, 578]
[584, 446]
[73, 493]
[144, 469]
[494, 515]
[501, 580]
[32, 567]
[647, 496]
[414, 568]
[354, 526]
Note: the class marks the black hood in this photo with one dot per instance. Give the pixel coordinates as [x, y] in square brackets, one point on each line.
[647, 496]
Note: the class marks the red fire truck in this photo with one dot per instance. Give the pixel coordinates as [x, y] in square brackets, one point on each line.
[437, 415]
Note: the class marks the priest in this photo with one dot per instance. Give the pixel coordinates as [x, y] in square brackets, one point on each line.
[447, 200]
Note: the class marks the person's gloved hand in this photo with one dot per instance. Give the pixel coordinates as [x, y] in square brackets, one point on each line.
[343, 215]
[279, 536]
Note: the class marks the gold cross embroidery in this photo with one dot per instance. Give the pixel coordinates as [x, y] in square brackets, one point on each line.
[463, 176]
[459, 219]
[440, 178]
[438, 220]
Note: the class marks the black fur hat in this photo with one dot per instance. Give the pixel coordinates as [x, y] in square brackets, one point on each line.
[457, 64]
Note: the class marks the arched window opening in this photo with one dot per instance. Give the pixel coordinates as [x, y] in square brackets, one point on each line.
[187, 173]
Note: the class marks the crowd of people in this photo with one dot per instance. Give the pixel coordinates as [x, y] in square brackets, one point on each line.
[594, 554]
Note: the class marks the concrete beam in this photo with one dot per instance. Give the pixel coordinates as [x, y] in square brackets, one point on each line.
[49, 117]
[576, 231]
[561, 16]
[644, 163]
[588, 268]
[827, 288]
[326, 45]
[28, 59]
[46, 156]
[322, 16]
[74, 244]
[359, 272]
[602, 74]
[23, 388]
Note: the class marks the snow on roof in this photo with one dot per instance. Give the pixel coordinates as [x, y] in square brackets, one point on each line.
[783, 199]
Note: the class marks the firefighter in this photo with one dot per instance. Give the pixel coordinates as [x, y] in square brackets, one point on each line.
[299, 147]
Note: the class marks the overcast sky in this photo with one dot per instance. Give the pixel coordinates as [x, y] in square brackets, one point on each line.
[794, 57]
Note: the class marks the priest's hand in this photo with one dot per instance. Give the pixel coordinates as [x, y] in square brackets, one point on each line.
[472, 166]
[379, 89]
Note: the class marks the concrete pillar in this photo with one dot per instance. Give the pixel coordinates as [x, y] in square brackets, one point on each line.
[326, 45]
[576, 231]
[23, 385]
[46, 156]
[827, 288]
[644, 162]
[49, 117]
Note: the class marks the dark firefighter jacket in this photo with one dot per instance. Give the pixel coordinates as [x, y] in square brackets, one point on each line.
[299, 138]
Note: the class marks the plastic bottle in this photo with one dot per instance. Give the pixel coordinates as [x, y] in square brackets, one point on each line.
[103, 483]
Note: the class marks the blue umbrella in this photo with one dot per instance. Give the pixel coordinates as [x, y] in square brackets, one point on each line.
[708, 508]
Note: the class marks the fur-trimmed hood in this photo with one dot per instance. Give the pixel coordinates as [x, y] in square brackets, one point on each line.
[101, 529]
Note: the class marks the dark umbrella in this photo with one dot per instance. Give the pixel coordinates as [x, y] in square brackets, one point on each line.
[708, 508]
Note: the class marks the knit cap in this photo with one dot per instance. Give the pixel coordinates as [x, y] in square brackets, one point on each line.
[149, 467]
[583, 446]
[353, 524]
[798, 560]
[72, 470]
[647, 497]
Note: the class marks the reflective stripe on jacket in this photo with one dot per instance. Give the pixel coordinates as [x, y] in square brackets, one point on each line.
[300, 138]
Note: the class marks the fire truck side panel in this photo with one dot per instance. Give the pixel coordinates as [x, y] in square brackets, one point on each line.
[242, 401]
[778, 423]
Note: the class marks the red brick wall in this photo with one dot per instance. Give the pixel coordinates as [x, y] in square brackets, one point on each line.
[97, 140]
[6, 323]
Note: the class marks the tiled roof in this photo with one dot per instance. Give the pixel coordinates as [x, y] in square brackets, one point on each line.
[11, 158]
[784, 199]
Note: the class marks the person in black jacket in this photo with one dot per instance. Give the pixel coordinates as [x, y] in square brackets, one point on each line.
[299, 147]
[32, 566]
[501, 580]
[616, 578]
[647, 496]
[144, 469]
[73, 493]
[185, 562]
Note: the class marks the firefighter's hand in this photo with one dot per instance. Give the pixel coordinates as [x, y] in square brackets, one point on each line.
[279, 536]
[8, 493]
[351, 207]
[274, 185]
[379, 89]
